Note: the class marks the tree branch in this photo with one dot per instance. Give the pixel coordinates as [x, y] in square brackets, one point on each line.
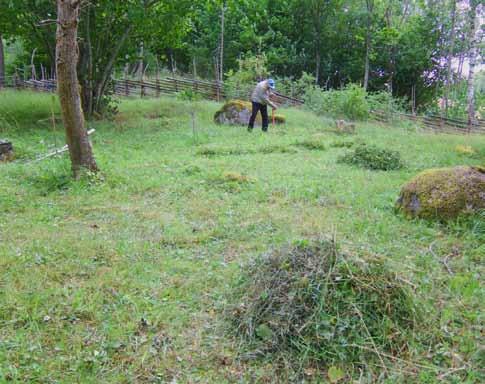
[109, 67]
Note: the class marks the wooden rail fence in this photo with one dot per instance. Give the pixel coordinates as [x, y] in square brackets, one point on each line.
[433, 123]
[215, 91]
[150, 88]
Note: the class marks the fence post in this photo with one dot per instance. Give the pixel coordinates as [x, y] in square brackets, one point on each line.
[142, 88]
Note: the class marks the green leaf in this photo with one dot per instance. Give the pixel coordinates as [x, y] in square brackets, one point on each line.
[335, 374]
[264, 332]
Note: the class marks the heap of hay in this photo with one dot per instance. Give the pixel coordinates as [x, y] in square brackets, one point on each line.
[238, 112]
[373, 157]
[444, 193]
[308, 300]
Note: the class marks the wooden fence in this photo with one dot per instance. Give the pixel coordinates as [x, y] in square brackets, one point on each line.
[152, 88]
[433, 123]
[215, 91]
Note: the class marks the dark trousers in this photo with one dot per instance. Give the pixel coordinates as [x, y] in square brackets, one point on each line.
[264, 114]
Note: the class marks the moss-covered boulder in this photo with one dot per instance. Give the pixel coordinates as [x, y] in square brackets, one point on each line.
[238, 112]
[444, 193]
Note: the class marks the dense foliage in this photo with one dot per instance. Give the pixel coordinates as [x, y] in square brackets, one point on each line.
[402, 47]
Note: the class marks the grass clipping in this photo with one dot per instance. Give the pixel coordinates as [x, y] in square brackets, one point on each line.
[372, 157]
[309, 301]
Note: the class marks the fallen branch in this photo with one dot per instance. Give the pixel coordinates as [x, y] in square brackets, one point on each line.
[445, 263]
[59, 151]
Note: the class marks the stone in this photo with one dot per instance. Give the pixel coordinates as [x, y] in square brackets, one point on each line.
[444, 193]
[238, 112]
[6, 151]
[344, 127]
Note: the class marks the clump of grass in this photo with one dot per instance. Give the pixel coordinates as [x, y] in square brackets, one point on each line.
[312, 145]
[275, 149]
[233, 151]
[236, 177]
[312, 302]
[233, 182]
[342, 144]
[222, 151]
[465, 150]
[192, 170]
[372, 157]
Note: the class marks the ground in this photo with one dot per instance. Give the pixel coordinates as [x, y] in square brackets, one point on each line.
[121, 277]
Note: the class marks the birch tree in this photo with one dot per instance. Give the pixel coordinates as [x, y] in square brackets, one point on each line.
[473, 21]
[449, 59]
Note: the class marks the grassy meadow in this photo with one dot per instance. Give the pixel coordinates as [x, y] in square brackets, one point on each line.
[122, 277]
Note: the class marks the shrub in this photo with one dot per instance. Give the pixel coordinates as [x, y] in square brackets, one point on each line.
[385, 103]
[189, 95]
[309, 300]
[295, 88]
[372, 157]
[240, 83]
[465, 150]
[350, 102]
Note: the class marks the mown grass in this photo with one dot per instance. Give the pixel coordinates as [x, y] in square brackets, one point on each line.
[121, 277]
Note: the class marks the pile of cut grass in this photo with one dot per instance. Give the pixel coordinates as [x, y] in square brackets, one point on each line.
[237, 151]
[373, 157]
[312, 145]
[313, 302]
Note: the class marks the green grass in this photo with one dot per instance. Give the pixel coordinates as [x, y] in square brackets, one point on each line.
[121, 278]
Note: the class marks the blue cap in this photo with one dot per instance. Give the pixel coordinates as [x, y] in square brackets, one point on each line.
[271, 83]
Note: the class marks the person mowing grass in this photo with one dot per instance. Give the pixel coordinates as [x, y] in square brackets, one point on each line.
[260, 100]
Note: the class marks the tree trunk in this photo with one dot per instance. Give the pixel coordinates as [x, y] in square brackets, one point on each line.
[221, 64]
[90, 74]
[317, 66]
[2, 63]
[473, 53]
[102, 83]
[68, 87]
[317, 15]
[141, 61]
[370, 6]
[449, 58]
[366, 67]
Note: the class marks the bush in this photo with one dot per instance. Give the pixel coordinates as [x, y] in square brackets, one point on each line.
[385, 103]
[240, 84]
[309, 300]
[350, 102]
[372, 157]
[295, 88]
